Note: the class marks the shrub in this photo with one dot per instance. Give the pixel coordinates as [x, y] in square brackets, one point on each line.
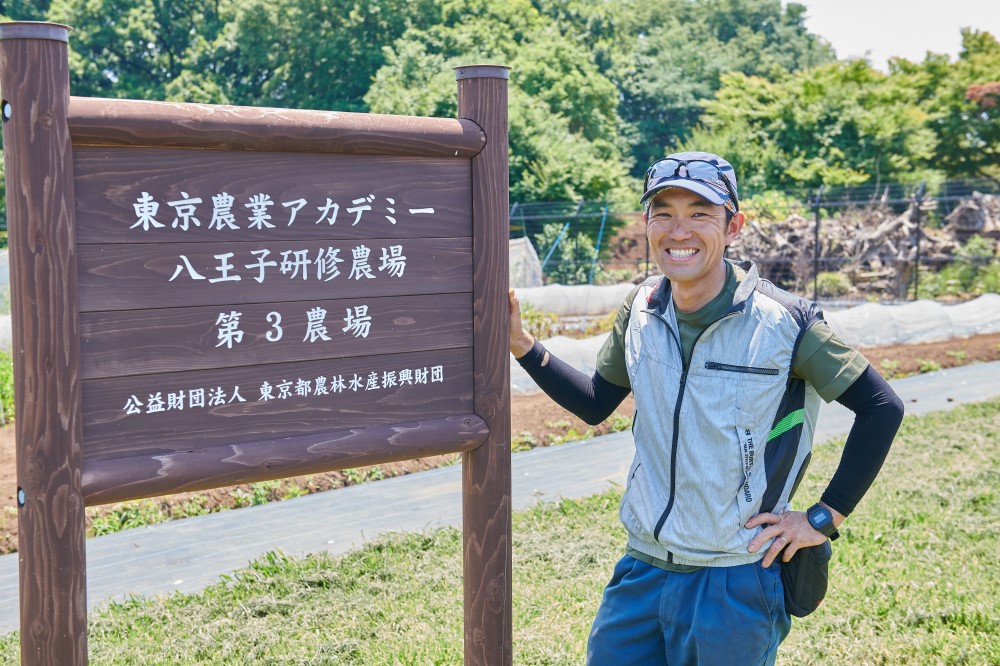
[618, 422]
[988, 279]
[572, 259]
[955, 279]
[602, 325]
[890, 366]
[832, 284]
[975, 247]
[613, 275]
[523, 441]
[771, 206]
[972, 273]
[958, 354]
[540, 324]
[126, 516]
[928, 365]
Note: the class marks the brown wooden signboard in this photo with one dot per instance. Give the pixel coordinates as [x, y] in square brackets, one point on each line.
[209, 295]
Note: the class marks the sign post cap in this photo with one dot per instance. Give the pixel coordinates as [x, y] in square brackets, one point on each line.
[482, 72]
[34, 30]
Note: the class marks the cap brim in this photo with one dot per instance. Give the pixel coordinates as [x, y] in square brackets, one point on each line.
[698, 187]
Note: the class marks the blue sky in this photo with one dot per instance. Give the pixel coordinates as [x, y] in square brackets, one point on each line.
[908, 28]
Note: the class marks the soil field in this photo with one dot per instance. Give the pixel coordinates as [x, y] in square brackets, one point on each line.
[535, 421]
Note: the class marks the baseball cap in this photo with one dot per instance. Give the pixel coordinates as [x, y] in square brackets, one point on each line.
[693, 171]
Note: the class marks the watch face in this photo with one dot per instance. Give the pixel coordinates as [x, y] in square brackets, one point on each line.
[820, 517]
[822, 521]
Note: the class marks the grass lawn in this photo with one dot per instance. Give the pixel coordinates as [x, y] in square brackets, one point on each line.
[914, 580]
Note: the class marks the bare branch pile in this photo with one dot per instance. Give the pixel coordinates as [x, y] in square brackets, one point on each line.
[875, 248]
[978, 215]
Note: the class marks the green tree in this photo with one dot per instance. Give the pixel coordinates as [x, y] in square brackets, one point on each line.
[318, 54]
[845, 123]
[571, 260]
[24, 10]
[598, 89]
[667, 58]
[967, 124]
[565, 133]
[839, 124]
[314, 54]
[138, 48]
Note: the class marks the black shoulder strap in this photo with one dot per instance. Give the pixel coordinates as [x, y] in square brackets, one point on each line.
[803, 311]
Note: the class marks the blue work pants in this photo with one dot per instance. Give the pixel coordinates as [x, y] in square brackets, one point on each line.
[730, 616]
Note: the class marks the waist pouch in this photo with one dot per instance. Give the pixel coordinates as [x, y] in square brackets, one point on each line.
[805, 578]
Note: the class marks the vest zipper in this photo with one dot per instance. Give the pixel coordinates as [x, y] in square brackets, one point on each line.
[677, 414]
[746, 369]
[673, 458]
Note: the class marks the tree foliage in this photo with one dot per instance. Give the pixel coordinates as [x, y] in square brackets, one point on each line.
[845, 123]
[319, 54]
[565, 132]
[316, 54]
[965, 116]
[599, 89]
[571, 256]
[139, 48]
[24, 10]
[667, 58]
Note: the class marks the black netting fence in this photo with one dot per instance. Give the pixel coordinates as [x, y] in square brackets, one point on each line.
[886, 242]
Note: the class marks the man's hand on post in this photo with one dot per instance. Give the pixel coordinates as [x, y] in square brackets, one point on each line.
[789, 530]
[521, 342]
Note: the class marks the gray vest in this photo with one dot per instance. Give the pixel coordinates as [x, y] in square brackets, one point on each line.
[726, 438]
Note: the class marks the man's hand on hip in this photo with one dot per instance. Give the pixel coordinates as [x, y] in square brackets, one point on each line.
[789, 530]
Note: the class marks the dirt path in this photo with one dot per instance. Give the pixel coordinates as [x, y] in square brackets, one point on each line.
[535, 421]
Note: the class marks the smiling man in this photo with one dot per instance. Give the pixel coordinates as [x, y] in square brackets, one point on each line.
[727, 372]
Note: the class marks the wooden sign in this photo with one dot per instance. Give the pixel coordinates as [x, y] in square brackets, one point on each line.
[210, 295]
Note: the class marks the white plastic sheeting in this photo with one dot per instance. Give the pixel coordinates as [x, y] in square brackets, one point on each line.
[525, 269]
[581, 299]
[872, 325]
[868, 325]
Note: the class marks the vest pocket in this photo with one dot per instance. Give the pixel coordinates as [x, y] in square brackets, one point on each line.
[744, 369]
[639, 505]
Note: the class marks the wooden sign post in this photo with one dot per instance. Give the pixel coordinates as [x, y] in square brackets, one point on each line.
[208, 295]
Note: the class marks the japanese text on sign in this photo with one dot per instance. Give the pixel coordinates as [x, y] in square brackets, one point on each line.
[201, 397]
[357, 322]
[298, 264]
[185, 211]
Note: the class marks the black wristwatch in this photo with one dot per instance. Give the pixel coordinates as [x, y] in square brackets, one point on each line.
[822, 521]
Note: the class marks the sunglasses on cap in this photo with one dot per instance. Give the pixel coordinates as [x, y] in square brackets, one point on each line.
[699, 170]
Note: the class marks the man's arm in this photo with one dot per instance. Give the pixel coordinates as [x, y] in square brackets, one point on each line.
[592, 399]
[878, 412]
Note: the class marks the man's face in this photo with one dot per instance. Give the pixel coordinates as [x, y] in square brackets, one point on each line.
[689, 235]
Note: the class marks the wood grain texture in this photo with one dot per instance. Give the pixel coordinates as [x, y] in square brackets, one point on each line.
[34, 77]
[109, 431]
[139, 342]
[122, 122]
[120, 479]
[486, 470]
[127, 277]
[111, 181]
